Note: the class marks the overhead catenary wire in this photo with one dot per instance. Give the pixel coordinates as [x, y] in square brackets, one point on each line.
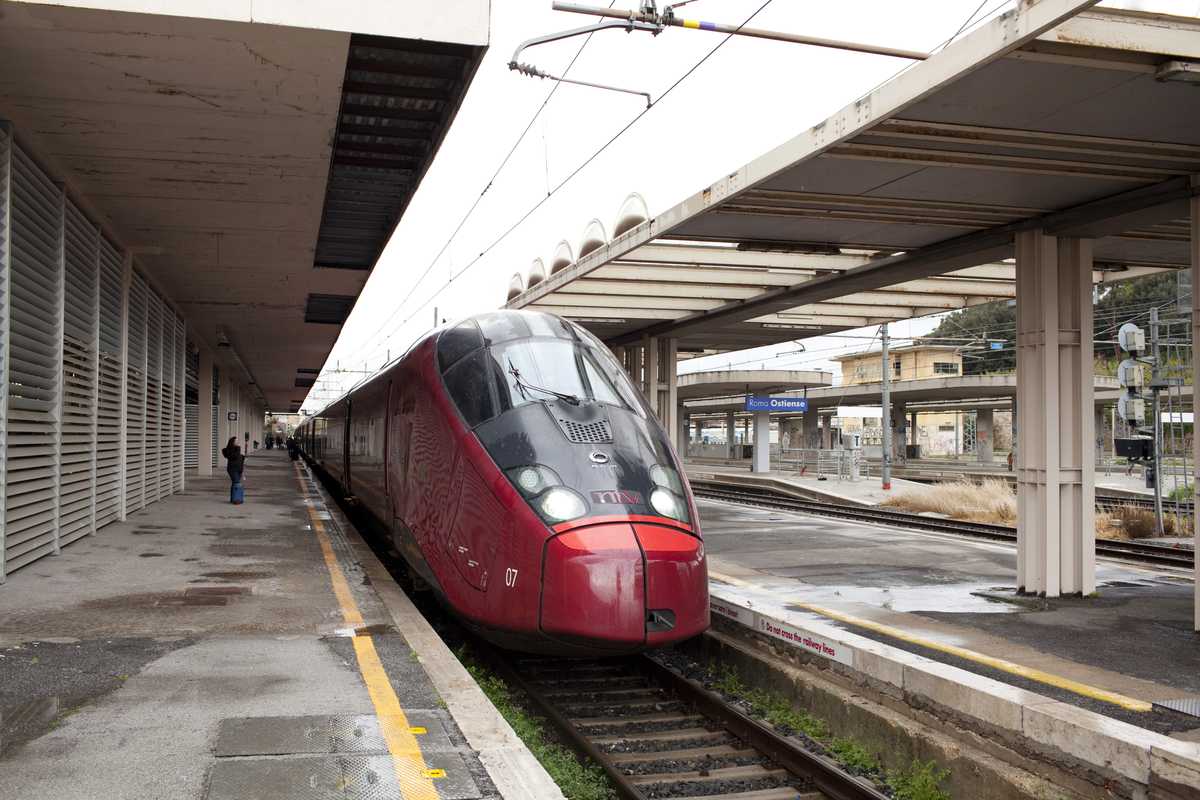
[491, 181]
[577, 170]
[508, 231]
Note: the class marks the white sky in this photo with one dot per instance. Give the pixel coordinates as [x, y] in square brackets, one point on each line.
[749, 97]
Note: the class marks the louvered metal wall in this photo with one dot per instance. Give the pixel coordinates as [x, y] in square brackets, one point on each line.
[5, 300]
[93, 373]
[191, 383]
[79, 354]
[31, 504]
[108, 438]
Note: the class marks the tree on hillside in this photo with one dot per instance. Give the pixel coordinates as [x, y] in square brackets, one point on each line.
[980, 328]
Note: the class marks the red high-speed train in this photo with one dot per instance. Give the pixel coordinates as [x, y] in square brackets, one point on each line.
[525, 480]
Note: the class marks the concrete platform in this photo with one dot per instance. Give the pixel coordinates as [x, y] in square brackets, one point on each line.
[862, 492]
[209, 651]
[936, 618]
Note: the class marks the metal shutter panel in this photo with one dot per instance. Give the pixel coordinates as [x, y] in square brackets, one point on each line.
[135, 409]
[108, 421]
[79, 351]
[34, 365]
[5, 216]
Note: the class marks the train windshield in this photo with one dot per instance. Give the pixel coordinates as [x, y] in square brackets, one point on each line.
[535, 370]
[502, 361]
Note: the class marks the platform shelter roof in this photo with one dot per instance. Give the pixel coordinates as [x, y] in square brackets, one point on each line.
[1055, 115]
[251, 158]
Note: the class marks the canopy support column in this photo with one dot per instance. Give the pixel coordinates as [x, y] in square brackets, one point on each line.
[204, 413]
[762, 442]
[1055, 464]
[984, 428]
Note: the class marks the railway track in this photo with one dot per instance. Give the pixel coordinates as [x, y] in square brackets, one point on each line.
[1141, 552]
[657, 734]
[1108, 502]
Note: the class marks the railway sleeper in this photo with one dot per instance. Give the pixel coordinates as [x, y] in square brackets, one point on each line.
[750, 772]
[698, 756]
[778, 793]
[611, 696]
[583, 686]
[598, 713]
[650, 723]
[662, 740]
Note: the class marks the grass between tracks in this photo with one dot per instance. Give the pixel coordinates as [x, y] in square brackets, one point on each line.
[990, 500]
[578, 781]
[920, 780]
[994, 501]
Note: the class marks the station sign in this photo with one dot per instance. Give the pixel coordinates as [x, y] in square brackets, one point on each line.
[776, 403]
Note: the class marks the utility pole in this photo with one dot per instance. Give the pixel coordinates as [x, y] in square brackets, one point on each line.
[886, 422]
[1156, 420]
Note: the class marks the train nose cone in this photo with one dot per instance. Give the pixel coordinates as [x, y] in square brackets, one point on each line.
[627, 585]
[676, 583]
[593, 586]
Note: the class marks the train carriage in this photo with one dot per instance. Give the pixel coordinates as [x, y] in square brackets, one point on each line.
[522, 477]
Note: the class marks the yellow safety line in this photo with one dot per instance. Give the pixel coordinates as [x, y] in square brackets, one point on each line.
[412, 773]
[1001, 664]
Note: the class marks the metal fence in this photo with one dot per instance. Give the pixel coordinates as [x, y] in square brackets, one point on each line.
[842, 464]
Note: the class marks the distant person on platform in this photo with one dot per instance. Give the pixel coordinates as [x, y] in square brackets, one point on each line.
[293, 448]
[235, 465]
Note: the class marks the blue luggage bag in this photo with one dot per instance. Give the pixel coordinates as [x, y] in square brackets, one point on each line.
[237, 494]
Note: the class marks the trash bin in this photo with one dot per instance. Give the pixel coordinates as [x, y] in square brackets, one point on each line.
[912, 451]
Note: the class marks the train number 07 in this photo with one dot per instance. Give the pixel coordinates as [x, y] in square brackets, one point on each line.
[510, 577]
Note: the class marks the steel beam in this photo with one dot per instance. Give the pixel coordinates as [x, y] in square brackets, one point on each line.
[953, 254]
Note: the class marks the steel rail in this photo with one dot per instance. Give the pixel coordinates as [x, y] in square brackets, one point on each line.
[829, 778]
[760, 739]
[1160, 555]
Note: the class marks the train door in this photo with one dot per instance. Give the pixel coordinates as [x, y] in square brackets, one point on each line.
[346, 450]
[401, 404]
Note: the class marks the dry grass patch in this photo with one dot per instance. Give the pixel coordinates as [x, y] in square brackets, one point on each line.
[989, 501]
[1130, 522]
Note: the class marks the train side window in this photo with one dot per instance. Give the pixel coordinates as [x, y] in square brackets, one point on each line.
[469, 385]
[456, 342]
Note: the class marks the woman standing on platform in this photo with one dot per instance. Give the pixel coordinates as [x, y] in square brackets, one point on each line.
[235, 463]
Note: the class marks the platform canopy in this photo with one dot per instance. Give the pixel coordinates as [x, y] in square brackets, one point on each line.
[962, 391]
[252, 158]
[724, 383]
[1055, 116]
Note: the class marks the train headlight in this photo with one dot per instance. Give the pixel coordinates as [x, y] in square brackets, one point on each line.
[666, 478]
[533, 479]
[668, 504]
[560, 504]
